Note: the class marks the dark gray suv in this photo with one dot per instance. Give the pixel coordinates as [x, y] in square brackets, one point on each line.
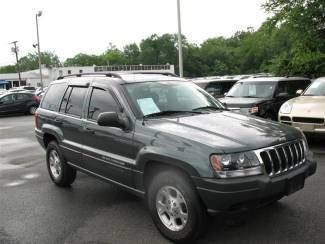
[168, 141]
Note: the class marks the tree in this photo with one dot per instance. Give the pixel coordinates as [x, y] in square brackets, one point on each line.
[113, 56]
[132, 53]
[30, 61]
[159, 49]
[305, 21]
[82, 59]
[8, 69]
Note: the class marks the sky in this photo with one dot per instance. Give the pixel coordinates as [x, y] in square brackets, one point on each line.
[70, 27]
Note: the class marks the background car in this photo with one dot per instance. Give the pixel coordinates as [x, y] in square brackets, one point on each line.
[18, 102]
[216, 86]
[307, 111]
[263, 96]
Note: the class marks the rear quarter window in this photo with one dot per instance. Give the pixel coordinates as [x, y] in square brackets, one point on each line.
[53, 96]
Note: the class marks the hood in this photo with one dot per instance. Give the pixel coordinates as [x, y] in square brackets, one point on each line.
[241, 102]
[227, 131]
[309, 106]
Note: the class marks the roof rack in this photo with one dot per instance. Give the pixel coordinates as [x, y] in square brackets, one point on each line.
[152, 73]
[107, 74]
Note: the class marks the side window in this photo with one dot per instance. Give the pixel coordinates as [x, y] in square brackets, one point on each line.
[6, 100]
[101, 101]
[282, 87]
[65, 100]
[53, 96]
[76, 100]
[214, 89]
[21, 97]
[299, 85]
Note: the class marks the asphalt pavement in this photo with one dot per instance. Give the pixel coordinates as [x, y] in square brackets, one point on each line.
[34, 210]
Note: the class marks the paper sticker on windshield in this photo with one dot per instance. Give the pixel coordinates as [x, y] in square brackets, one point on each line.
[148, 106]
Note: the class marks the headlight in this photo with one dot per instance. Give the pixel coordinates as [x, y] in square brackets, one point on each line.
[236, 165]
[286, 108]
[253, 110]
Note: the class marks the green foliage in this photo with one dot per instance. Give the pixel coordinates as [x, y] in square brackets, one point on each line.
[8, 69]
[113, 56]
[82, 59]
[30, 61]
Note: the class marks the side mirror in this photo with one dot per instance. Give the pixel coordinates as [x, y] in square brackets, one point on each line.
[111, 119]
[299, 92]
[225, 94]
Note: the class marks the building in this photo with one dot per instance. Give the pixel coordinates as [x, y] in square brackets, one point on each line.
[32, 78]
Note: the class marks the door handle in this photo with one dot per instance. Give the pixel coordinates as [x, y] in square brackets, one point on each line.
[58, 121]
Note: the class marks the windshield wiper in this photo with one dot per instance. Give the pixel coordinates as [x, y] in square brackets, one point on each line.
[250, 97]
[209, 107]
[170, 112]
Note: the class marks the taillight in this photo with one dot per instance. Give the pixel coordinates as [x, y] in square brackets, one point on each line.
[36, 99]
[36, 120]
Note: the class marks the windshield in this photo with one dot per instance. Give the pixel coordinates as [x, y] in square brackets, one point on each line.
[252, 89]
[317, 88]
[161, 96]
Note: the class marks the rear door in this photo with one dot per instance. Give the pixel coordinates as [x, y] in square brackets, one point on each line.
[7, 104]
[22, 100]
[71, 124]
[108, 151]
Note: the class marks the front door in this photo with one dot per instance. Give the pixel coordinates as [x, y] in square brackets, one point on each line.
[7, 104]
[108, 151]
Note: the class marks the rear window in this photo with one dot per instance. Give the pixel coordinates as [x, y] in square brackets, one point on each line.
[75, 101]
[53, 96]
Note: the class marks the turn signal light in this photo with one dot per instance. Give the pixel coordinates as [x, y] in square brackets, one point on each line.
[216, 163]
[253, 110]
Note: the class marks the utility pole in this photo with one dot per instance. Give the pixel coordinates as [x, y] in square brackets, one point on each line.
[15, 50]
[39, 14]
[180, 51]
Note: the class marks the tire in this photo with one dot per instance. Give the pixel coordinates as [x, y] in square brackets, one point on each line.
[32, 110]
[269, 116]
[60, 172]
[187, 211]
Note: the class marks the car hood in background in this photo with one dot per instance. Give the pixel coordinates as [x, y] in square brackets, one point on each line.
[241, 102]
[309, 106]
[226, 131]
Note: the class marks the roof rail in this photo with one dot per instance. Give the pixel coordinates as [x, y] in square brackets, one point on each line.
[152, 73]
[107, 74]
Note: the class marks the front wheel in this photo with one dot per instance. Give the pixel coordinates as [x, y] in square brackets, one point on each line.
[175, 207]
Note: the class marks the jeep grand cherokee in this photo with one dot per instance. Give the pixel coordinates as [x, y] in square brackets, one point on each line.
[169, 142]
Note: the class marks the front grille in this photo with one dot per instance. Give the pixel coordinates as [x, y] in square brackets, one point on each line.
[284, 157]
[308, 120]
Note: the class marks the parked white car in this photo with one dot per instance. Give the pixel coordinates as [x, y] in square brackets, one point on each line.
[307, 111]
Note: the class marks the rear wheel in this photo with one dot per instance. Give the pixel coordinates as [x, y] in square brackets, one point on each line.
[60, 172]
[175, 207]
[32, 110]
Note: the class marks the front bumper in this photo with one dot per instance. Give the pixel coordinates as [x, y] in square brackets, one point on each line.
[239, 193]
[305, 127]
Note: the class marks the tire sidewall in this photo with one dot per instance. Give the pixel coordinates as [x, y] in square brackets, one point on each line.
[32, 110]
[54, 146]
[194, 207]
